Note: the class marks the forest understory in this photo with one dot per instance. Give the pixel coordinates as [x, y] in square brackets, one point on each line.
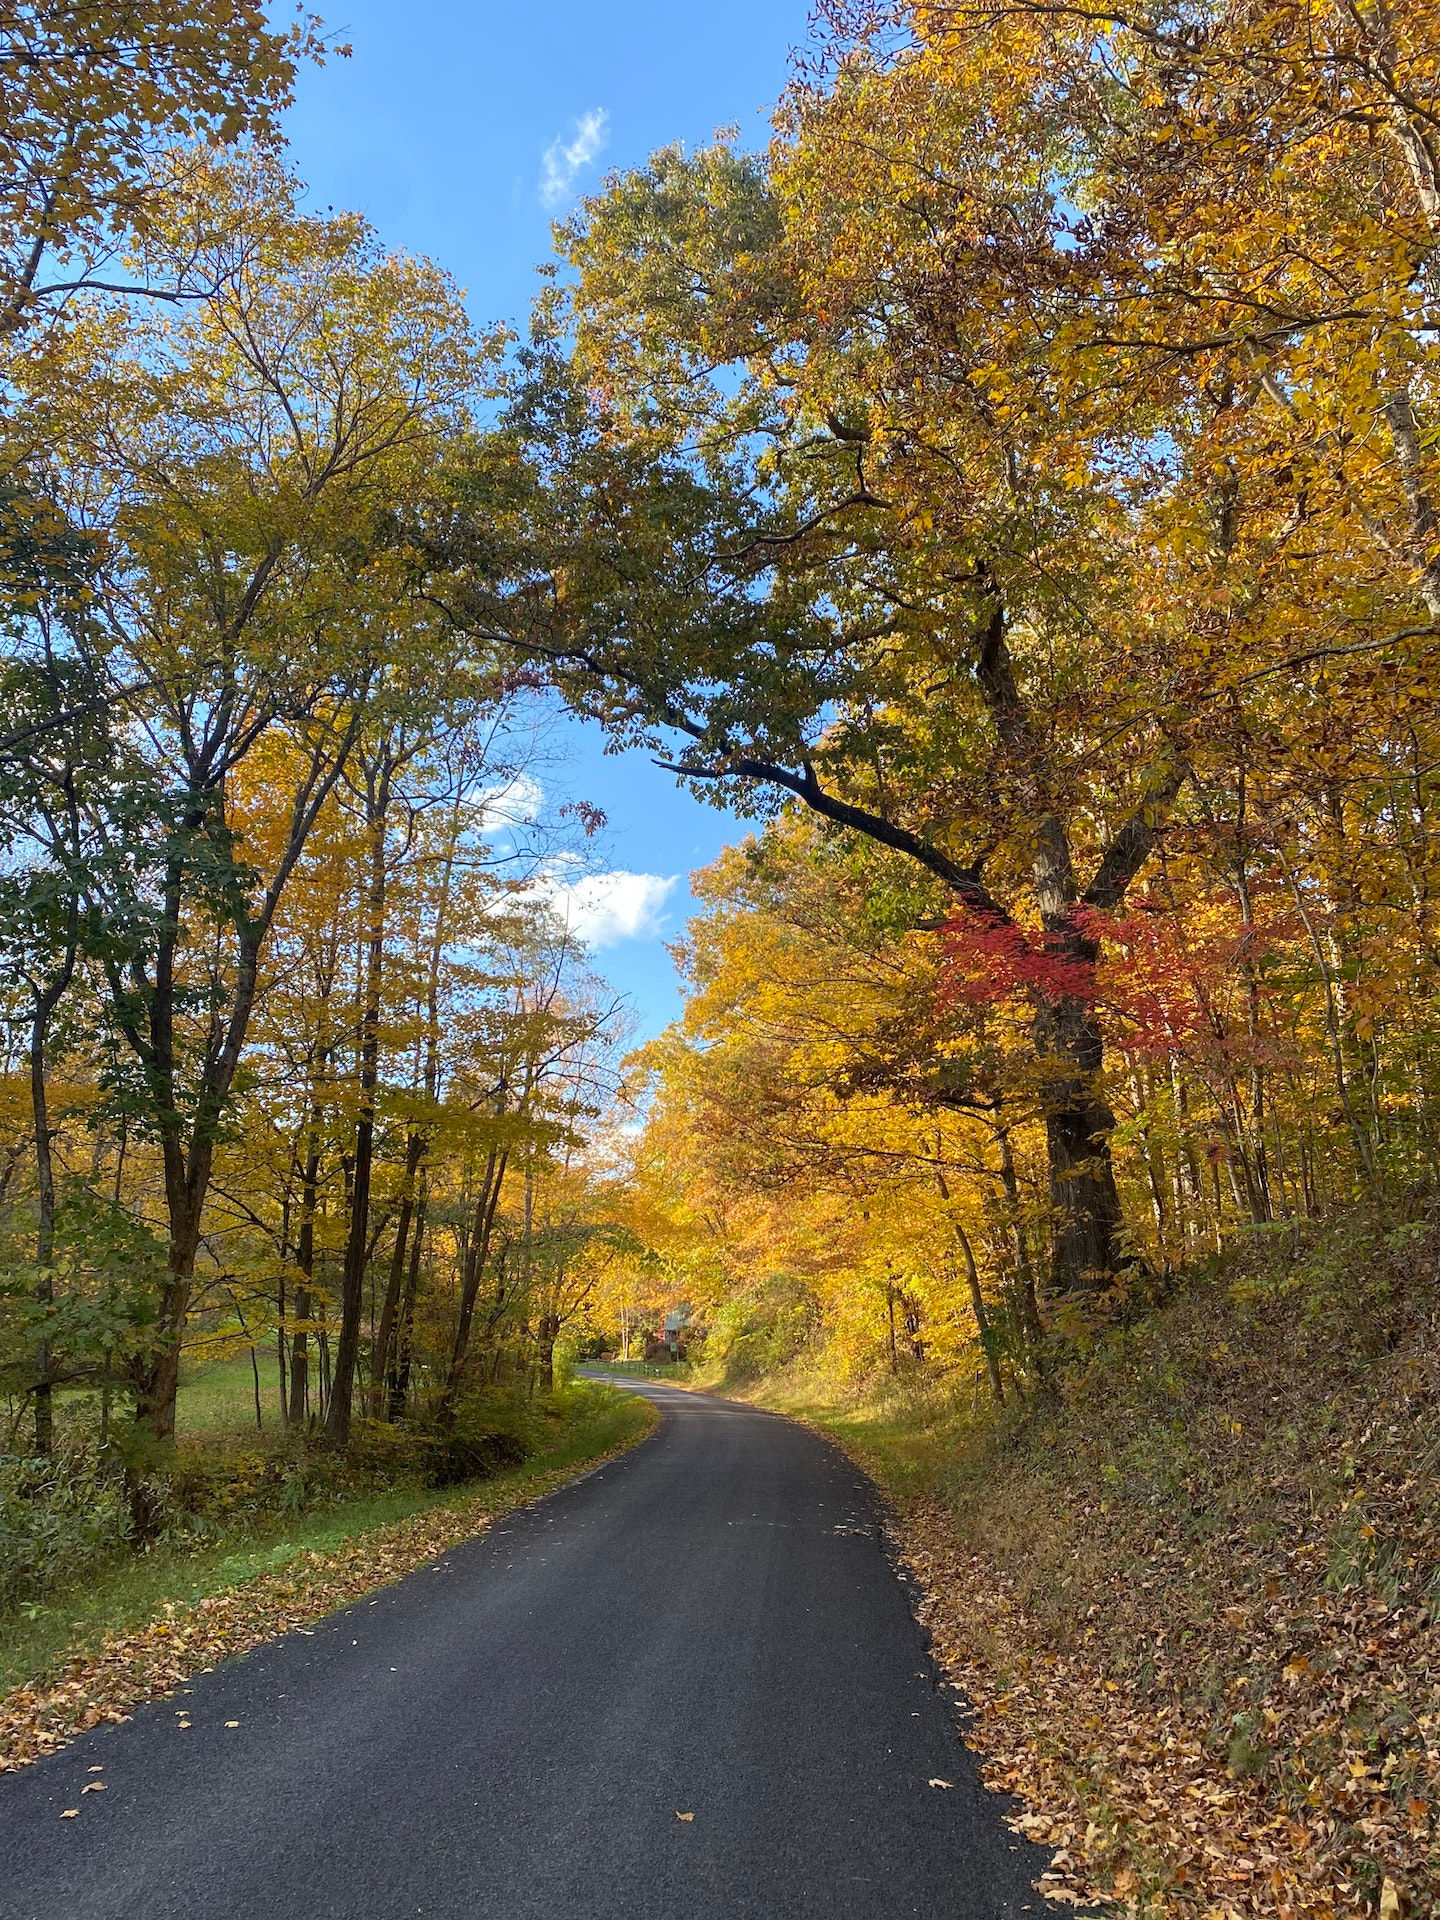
[1190, 1593]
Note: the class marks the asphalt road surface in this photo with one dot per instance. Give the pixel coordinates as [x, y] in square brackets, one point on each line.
[707, 1626]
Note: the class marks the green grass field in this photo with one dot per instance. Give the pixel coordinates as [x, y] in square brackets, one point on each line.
[678, 1370]
[220, 1398]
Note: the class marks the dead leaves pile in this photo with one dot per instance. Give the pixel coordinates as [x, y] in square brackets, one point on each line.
[1127, 1788]
[130, 1668]
[1216, 1690]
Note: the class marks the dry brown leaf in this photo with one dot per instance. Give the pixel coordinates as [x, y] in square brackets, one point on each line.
[1134, 1790]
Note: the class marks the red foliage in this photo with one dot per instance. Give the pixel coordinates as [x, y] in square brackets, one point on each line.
[1165, 977]
[989, 961]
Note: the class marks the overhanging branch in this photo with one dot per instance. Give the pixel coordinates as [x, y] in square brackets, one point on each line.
[963, 882]
[1132, 846]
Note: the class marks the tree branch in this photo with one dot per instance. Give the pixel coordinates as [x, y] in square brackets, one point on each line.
[1131, 847]
[964, 882]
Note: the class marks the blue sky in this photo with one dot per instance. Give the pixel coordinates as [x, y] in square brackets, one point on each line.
[462, 131]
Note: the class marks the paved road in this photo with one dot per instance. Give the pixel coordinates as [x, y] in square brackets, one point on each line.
[705, 1626]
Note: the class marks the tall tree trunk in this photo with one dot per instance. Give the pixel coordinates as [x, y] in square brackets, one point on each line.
[300, 1359]
[188, 1152]
[1399, 412]
[405, 1332]
[45, 1002]
[397, 1324]
[1086, 1251]
[352, 1283]
[282, 1305]
[476, 1255]
[1333, 1029]
[1188, 1180]
[187, 1169]
[984, 1332]
[384, 1338]
[322, 1350]
[547, 1332]
[1086, 1244]
[1257, 1170]
[1024, 1265]
[305, 1261]
[158, 1378]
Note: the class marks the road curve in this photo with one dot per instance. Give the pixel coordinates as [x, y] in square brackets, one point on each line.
[705, 1626]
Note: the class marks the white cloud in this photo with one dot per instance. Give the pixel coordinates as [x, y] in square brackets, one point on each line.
[562, 160]
[512, 803]
[602, 909]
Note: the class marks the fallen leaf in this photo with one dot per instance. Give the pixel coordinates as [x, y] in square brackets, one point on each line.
[95, 1769]
[942, 1783]
[684, 1816]
[93, 1786]
[232, 1723]
[1391, 1905]
[71, 1813]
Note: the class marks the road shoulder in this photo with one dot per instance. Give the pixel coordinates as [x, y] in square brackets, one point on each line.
[103, 1684]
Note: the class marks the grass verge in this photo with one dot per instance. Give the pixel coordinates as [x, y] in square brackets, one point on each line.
[139, 1627]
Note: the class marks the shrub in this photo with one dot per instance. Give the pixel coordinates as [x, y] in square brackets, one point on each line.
[58, 1518]
[487, 1432]
[759, 1333]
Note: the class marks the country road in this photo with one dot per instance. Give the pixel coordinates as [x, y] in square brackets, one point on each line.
[706, 1626]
